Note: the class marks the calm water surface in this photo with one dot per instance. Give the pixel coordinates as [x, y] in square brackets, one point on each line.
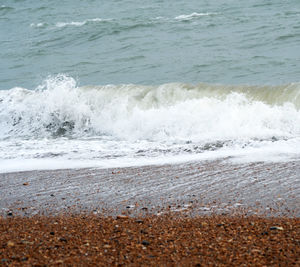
[149, 42]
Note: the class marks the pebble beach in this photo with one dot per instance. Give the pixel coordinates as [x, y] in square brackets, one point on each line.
[170, 215]
[169, 240]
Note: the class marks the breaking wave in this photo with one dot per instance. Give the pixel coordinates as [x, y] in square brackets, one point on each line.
[168, 112]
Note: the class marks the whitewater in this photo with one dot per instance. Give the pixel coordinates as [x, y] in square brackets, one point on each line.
[61, 125]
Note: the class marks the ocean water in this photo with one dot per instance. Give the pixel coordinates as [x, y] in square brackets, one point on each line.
[122, 83]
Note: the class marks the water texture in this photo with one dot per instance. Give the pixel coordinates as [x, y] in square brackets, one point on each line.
[142, 42]
[122, 83]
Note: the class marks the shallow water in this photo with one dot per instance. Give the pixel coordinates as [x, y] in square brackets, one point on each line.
[194, 188]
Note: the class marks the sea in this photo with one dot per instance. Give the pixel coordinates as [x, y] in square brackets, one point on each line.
[133, 83]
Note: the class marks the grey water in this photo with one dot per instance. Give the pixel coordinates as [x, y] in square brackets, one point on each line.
[149, 42]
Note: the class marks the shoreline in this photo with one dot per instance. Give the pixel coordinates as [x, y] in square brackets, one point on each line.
[197, 188]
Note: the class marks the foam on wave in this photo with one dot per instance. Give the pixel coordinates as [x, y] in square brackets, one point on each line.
[158, 113]
[79, 23]
[192, 16]
[84, 22]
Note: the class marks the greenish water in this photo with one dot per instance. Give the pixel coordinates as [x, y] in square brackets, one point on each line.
[149, 42]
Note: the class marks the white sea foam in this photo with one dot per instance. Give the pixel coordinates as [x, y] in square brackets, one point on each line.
[167, 112]
[131, 124]
[270, 152]
[38, 25]
[192, 16]
[79, 23]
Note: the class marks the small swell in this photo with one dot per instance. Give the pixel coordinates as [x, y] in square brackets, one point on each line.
[38, 25]
[80, 23]
[287, 36]
[5, 9]
[192, 16]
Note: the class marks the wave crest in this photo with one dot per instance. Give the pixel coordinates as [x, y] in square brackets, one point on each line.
[167, 112]
[79, 23]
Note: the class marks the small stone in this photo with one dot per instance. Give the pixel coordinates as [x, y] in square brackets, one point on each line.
[25, 183]
[122, 217]
[276, 228]
[145, 243]
[62, 239]
[27, 242]
[9, 213]
[10, 244]
[52, 233]
[139, 221]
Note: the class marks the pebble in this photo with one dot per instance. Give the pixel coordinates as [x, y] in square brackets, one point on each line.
[10, 244]
[145, 243]
[9, 213]
[122, 217]
[276, 228]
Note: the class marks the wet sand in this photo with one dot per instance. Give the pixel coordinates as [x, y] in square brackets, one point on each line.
[198, 188]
